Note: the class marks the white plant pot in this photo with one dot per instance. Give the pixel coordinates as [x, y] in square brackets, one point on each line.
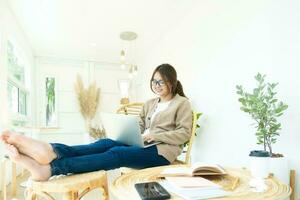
[259, 167]
[279, 167]
[259, 164]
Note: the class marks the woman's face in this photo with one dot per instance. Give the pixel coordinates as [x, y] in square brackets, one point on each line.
[159, 86]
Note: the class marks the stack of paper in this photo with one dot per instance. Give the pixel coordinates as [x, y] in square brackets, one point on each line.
[192, 188]
[191, 182]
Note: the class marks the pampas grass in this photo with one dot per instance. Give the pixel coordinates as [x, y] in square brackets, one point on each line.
[88, 100]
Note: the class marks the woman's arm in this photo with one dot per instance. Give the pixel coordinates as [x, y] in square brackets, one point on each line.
[182, 131]
[142, 117]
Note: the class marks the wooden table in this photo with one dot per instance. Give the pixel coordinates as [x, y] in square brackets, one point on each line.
[123, 187]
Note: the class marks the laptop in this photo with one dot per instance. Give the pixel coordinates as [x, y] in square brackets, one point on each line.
[124, 129]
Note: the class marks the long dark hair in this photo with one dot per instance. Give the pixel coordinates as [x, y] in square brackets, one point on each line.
[169, 75]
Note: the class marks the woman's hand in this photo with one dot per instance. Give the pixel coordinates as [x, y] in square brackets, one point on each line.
[4, 135]
[148, 138]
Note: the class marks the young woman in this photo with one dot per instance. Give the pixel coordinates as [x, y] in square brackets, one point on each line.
[167, 118]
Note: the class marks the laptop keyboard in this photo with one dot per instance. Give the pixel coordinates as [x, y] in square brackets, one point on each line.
[147, 143]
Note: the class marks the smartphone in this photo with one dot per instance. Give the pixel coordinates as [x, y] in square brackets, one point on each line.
[152, 191]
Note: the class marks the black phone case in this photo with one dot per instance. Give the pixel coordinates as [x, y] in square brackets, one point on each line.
[152, 191]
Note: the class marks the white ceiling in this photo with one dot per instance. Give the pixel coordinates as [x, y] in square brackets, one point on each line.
[68, 28]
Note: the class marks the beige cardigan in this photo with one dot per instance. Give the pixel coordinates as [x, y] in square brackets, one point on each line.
[172, 126]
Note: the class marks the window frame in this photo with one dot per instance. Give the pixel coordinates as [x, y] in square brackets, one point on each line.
[18, 118]
[44, 112]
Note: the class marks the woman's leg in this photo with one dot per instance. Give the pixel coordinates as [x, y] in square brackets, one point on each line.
[116, 157]
[120, 156]
[100, 146]
[44, 152]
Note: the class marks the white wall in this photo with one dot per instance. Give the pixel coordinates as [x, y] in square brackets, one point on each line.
[9, 28]
[65, 71]
[224, 43]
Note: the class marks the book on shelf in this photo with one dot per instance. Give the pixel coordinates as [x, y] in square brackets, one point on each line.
[197, 169]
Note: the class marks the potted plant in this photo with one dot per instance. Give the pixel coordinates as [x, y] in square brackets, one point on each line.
[264, 108]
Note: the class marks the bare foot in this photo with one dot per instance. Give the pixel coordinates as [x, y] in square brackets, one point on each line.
[38, 172]
[40, 151]
[12, 152]
[4, 136]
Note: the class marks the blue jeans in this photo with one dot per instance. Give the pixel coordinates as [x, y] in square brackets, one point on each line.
[104, 154]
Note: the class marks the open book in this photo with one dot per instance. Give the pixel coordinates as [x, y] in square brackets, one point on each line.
[196, 169]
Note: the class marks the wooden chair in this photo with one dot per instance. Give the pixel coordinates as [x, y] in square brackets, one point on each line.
[188, 151]
[292, 183]
[72, 187]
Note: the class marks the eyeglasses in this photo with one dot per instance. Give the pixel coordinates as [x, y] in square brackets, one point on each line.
[160, 83]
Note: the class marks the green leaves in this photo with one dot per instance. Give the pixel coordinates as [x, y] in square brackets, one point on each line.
[264, 108]
[198, 114]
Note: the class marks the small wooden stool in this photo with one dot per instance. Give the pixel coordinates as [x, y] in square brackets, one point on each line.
[72, 187]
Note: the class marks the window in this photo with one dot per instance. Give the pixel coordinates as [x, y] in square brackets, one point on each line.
[13, 97]
[17, 98]
[22, 102]
[124, 85]
[50, 102]
[16, 85]
[15, 68]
